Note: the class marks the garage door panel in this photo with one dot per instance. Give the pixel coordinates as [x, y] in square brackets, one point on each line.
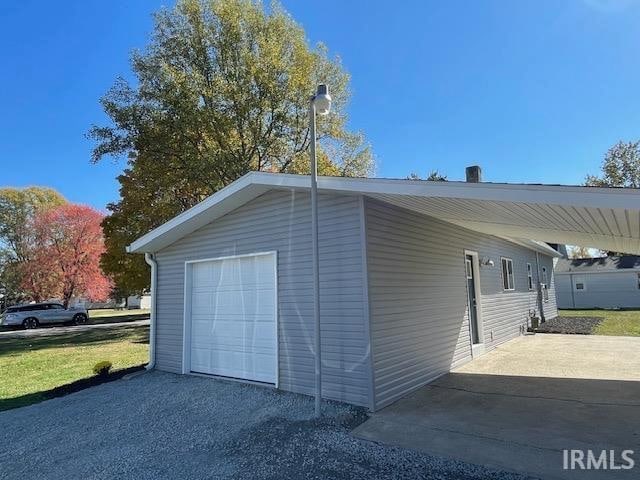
[233, 318]
[248, 339]
[231, 363]
[235, 324]
[254, 300]
[200, 302]
[249, 302]
[231, 344]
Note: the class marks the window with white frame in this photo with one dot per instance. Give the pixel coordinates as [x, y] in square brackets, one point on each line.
[545, 285]
[507, 274]
[579, 283]
[468, 268]
[529, 276]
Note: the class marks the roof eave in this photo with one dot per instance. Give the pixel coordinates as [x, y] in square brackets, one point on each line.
[254, 184]
[152, 241]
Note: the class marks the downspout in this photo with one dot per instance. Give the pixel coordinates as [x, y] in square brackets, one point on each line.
[540, 302]
[149, 258]
[573, 295]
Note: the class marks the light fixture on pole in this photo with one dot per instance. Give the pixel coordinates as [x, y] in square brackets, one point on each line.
[321, 104]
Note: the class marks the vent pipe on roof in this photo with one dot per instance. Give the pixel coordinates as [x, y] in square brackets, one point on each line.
[474, 174]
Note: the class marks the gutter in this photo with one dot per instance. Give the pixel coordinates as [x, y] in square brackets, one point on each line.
[149, 258]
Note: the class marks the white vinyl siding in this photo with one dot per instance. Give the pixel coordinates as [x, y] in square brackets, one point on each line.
[281, 221]
[418, 299]
[618, 289]
[507, 274]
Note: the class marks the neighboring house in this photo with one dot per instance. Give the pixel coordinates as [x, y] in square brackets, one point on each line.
[416, 277]
[139, 301]
[606, 282]
[133, 302]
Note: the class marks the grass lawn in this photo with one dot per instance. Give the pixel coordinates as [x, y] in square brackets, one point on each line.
[30, 366]
[108, 315]
[616, 322]
[112, 312]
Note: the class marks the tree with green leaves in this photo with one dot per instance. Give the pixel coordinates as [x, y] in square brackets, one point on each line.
[434, 176]
[18, 207]
[576, 251]
[222, 89]
[620, 168]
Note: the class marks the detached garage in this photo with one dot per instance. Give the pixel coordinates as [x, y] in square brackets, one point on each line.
[416, 277]
[604, 282]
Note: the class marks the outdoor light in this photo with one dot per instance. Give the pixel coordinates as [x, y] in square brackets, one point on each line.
[486, 262]
[319, 104]
[322, 100]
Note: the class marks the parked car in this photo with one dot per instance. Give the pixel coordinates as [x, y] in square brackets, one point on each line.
[36, 314]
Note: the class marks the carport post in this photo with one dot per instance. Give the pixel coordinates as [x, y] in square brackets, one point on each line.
[320, 103]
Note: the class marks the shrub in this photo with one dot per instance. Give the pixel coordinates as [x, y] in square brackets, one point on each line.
[102, 368]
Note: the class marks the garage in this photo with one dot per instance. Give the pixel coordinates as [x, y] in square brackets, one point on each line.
[231, 304]
[394, 297]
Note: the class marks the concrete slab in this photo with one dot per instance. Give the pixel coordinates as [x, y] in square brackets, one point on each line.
[483, 413]
[563, 356]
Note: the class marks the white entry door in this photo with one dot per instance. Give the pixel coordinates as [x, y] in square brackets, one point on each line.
[234, 317]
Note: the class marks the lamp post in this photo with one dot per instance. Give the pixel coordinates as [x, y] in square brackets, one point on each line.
[320, 104]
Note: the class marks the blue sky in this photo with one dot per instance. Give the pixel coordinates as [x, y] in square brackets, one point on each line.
[534, 91]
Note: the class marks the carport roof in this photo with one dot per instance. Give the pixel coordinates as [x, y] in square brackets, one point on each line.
[605, 218]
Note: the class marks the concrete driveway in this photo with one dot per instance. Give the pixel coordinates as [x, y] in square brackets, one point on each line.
[519, 406]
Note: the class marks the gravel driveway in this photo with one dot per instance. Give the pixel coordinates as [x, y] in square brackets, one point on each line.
[160, 425]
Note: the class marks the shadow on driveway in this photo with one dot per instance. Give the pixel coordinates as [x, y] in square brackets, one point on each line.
[515, 423]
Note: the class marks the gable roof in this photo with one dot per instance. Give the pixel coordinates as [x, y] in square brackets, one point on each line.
[606, 218]
[600, 264]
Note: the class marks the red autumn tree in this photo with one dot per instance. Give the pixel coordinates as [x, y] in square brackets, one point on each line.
[64, 260]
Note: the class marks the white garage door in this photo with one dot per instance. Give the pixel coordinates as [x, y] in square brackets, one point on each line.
[233, 317]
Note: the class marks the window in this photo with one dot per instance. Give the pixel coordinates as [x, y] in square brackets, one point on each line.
[529, 276]
[507, 273]
[468, 268]
[33, 308]
[580, 286]
[545, 285]
[638, 281]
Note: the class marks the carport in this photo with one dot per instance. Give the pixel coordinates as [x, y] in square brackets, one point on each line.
[519, 406]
